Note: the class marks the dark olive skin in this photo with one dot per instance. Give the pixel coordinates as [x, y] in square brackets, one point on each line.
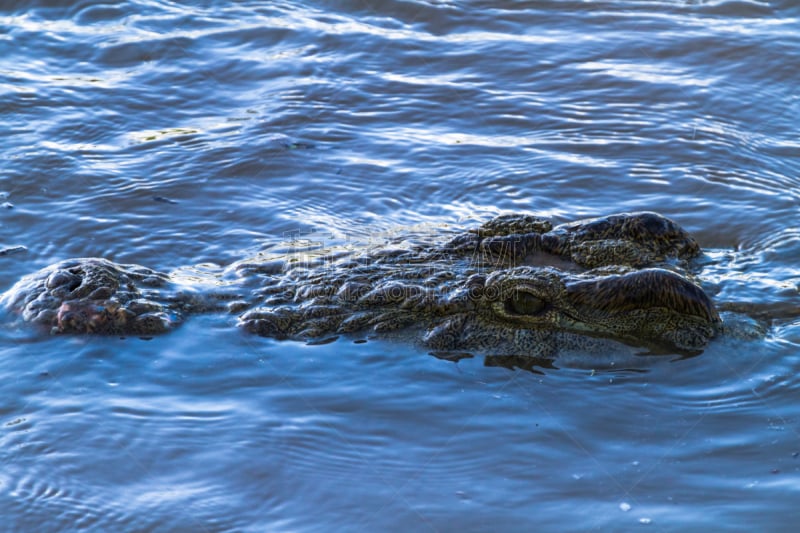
[621, 279]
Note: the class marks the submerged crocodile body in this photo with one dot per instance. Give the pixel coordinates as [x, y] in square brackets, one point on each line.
[619, 277]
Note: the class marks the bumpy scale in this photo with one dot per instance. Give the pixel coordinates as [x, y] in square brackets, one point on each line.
[479, 291]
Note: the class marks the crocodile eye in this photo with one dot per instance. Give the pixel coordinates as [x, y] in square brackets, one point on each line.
[524, 303]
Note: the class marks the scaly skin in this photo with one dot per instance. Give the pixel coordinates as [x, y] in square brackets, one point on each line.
[476, 292]
[523, 309]
[630, 239]
[92, 295]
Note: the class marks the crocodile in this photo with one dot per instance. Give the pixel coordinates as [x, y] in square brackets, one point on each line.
[524, 309]
[94, 295]
[631, 239]
[620, 277]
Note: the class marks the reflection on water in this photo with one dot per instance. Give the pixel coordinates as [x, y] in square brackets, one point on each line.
[175, 135]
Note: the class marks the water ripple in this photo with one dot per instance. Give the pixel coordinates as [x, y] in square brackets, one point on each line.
[188, 136]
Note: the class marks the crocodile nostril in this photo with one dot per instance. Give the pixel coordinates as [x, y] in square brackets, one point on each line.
[64, 279]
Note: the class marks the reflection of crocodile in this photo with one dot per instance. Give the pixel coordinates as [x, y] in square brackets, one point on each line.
[479, 291]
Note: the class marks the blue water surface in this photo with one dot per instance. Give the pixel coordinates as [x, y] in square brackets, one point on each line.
[197, 134]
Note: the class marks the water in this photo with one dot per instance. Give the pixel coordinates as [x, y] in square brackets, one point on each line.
[179, 134]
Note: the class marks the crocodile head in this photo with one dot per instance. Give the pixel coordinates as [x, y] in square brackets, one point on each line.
[524, 310]
[454, 299]
[651, 306]
[533, 310]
